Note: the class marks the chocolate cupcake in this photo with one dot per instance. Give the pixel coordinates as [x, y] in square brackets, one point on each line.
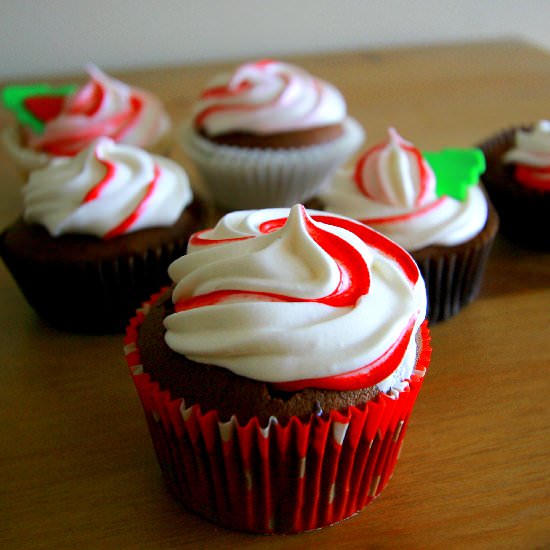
[97, 234]
[518, 181]
[429, 203]
[60, 121]
[269, 134]
[279, 371]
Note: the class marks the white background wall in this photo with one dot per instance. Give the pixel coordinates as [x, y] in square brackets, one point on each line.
[41, 37]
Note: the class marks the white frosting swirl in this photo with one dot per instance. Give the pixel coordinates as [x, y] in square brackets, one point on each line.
[532, 147]
[103, 107]
[392, 189]
[106, 190]
[267, 97]
[255, 302]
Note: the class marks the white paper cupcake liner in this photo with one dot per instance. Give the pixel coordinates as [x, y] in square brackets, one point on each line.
[242, 178]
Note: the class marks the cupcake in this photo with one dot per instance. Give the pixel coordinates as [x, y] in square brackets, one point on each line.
[97, 234]
[269, 134]
[279, 371]
[518, 181]
[61, 121]
[430, 204]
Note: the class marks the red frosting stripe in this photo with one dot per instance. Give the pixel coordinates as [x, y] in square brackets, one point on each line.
[420, 163]
[70, 142]
[354, 276]
[354, 283]
[87, 101]
[408, 216]
[363, 377]
[99, 188]
[197, 240]
[378, 241]
[536, 177]
[123, 226]
[217, 92]
[366, 234]
[423, 172]
[229, 91]
[359, 166]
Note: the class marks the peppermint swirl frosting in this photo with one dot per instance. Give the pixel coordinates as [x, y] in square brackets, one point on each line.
[106, 190]
[393, 190]
[103, 107]
[531, 155]
[299, 300]
[268, 97]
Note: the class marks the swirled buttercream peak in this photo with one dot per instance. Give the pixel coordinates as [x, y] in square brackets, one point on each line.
[103, 106]
[266, 97]
[392, 188]
[293, 296]
[106, 190]
[394, 173]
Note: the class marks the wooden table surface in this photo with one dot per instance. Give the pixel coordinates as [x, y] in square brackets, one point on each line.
[77, 468]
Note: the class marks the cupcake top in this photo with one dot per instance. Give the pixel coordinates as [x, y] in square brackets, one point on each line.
[298, 300]
[107, 190]
[101, 107]
[531, 156]
[267, 97]
[394, 189]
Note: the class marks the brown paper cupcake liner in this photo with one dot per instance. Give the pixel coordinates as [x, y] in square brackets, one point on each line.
[277, 478]
[454, 275]
[92, 296]
[241, 178]
[523, 210]
[100, 290]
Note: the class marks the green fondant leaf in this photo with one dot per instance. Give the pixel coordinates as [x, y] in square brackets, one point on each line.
[14, 98]
[455, 170]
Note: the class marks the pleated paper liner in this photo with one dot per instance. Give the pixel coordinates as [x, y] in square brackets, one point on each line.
[97, 292]
[523, 211]
[241, 178]
[454, 274]
[277, 478]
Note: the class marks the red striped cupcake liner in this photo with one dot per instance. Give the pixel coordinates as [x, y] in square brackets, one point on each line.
[278, 478]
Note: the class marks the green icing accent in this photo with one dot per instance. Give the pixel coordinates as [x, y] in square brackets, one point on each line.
[455, 170]
[13, 98]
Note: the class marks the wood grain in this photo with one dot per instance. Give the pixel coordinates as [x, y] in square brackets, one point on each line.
[76, 464]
